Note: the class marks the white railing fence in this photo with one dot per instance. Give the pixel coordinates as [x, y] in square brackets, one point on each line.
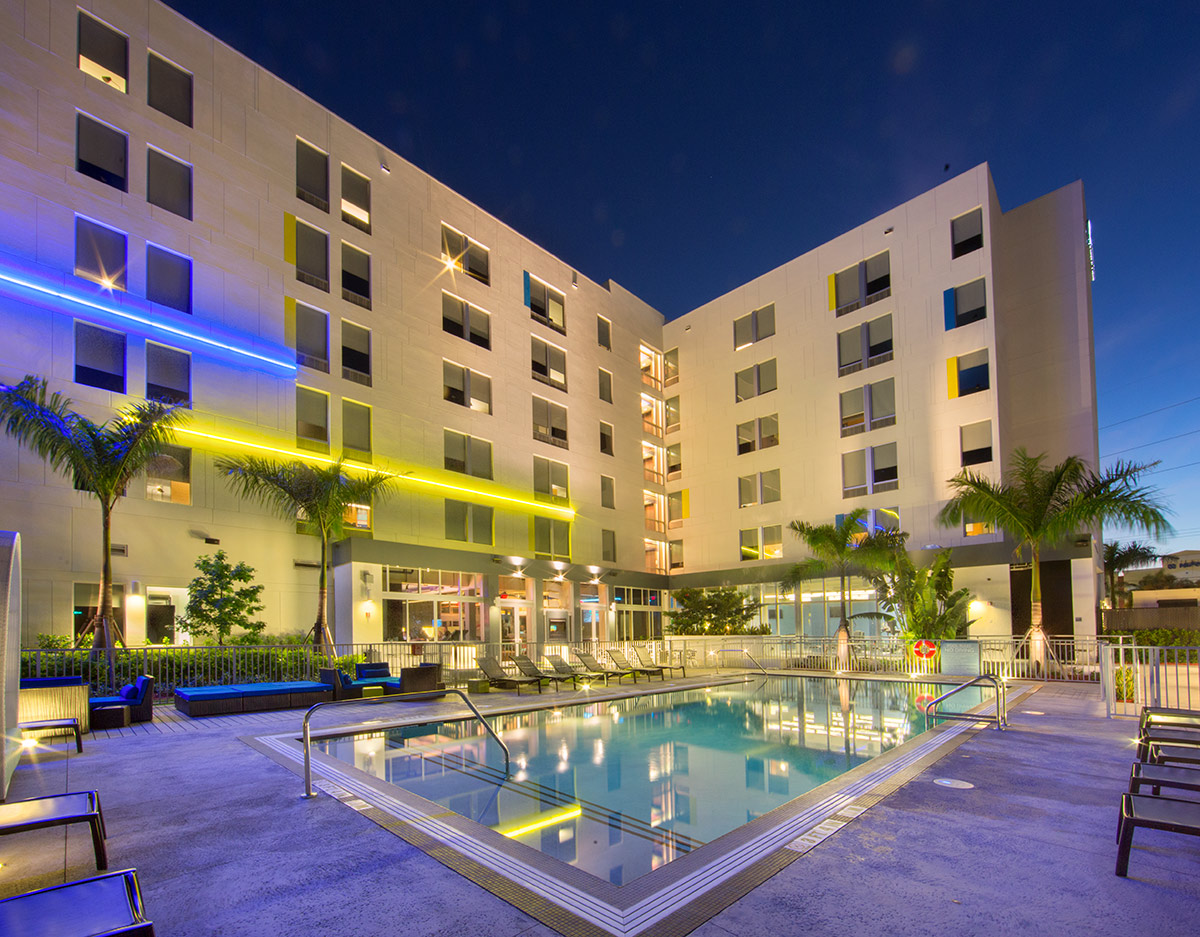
[1134, 676]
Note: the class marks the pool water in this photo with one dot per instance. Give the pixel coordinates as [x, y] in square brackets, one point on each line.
[621, 787]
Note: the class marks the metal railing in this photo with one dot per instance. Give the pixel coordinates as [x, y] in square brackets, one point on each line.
[1133, 676]
[1001, 716]
[306, 732]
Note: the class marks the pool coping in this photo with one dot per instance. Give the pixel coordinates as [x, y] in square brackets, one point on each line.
[668, 901]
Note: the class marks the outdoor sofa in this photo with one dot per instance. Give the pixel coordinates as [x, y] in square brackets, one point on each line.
[420, 679]
[138, 697]
[250, 697]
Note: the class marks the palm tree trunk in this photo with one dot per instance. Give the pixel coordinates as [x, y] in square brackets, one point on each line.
[101, 625]
[843, 631]
[321, 636]
[1037, 637]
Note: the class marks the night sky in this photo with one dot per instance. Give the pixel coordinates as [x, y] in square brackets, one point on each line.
[682, 149]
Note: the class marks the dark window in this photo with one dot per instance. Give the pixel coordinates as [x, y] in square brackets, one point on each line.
[605, 386]
[549, 422]
[466, 388]
[608, 496]
[103, 52]
[169, 89]
[101, 152]
[168, 279]
[356, 276]
[468, 523]
[99, 358]
[312, 256]
[168, 375]
[973, 373]
[546, 304]
[608, 554]
[551, 538]
[312, 338]
[467, 454]
[549, 363]
[356, 353]
[674, 461]
[606, 438]
[976, 442]
[100, 254]
[883, 467]
[356, 199]
[965, 304]
[754, 326]
[550, 480]
[462, 319]
[759, 379]
[356, 427]
[312, 175]
[459, 252]
[966, 233]
[169, 183]
[866, 282]
[312, 415]
[604, 332]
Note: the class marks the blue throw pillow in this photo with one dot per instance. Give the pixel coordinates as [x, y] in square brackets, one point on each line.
[129, 691]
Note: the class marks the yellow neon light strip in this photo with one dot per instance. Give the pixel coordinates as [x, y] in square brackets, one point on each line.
[565, 512]
[547, 819]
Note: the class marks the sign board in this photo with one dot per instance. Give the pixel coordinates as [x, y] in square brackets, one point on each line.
[962, 658]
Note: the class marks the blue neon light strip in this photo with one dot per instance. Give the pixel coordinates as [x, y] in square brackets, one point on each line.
[289, 366]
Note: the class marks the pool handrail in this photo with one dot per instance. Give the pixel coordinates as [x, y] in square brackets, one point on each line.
[742, 650]
[1001, 716]
[307, 736]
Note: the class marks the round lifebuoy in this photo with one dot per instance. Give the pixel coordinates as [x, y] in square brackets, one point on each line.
[925, 648]
[924, 700]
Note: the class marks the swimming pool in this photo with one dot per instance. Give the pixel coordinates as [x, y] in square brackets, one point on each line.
[622, 787]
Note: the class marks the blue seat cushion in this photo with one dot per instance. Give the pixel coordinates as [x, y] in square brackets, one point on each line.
[365, 671]
[97, 701]
[206, 692]
[261, 689]
[392, 684]
[32, 683]
[128, 692]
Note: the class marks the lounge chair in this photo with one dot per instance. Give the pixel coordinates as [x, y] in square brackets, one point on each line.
[562, 667]
[101, 906]
[1178, 736]
[497, 677]
[644, 659]
[595, 666]
[139, 697]
[1160, 776]
[622, 661]
[1153, 813]
[526, 665]
[38, 813]
[1162, 718]
[1161, 753]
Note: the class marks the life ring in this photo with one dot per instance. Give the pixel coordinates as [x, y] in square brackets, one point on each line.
[924, 700]
[925, 648]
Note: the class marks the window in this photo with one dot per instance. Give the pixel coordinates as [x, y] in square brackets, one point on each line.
[462, 319]
[884, 472]
[973, 527]
[312, 256]
[651, 363]
[168, 279]
[356, 199]
[879, 398]
[99, 254]
[870, 342]
[876, 519]
[312, 415]
[312, 338]
[357, 516]
[675, 554]
[748, 541]
[549, 363]
[169, 89]
[606, 438]
[604, 332]
[356, 354]
[869, 470]
[546, 304]
[467, 454]
[854, 473]
[608, 496]
[853, 411]
[469, 523]
[549, 422]
[866, 282]
[967, 374]
[99, 358]
[169, 476]
[101, 152]
[459, 252]
[672, 413]
[965, 304]
[312, 175]
[103, 52]
[772, 541]
[761, 433]
[356, 430]
[356, 276]
[168, 183]
[966, 233]
[606, 386]
[466, 388]
[762, 488]
[608, 546]
[168, 375]
[550, 480]
[756, 380]
[677, 508]
[670, 367]
[551, 538]
[754, 327]
[674, 461]
[976, 441]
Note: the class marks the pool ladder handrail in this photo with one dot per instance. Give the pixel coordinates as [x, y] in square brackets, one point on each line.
[1001, 717]
[747, 653]
[305, 731]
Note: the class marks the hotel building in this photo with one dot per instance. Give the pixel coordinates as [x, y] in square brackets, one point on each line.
[178, 223]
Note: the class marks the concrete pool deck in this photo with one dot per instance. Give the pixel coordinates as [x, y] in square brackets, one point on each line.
[224, 845]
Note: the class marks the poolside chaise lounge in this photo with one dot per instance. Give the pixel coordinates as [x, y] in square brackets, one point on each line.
[497, 677]
[138, 697]
[1157, 777]
[528, 668]
[37, 813]
[1175, 735]
[100, 906]
[595, 666]
[644, 659]
[1163, 718]
[1153, 813]
[1162, 753]
[562, 667]
[622, 661]
[249, 697]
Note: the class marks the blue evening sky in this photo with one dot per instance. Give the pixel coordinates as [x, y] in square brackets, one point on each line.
[682, 149]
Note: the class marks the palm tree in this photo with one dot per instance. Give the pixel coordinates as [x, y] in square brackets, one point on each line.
[1119, 557]
[318, 495]
[1041, 506]
[843, 550]
[103, 458]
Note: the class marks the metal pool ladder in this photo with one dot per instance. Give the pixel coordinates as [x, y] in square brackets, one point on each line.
[308, 789]
[1001, 717]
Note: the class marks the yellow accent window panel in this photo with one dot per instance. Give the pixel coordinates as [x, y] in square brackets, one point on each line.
[952, 376]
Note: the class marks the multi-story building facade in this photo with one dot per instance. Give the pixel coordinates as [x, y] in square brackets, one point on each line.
[180, 224]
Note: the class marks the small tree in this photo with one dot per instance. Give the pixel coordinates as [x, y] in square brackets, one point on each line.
[714, 611]
[1119, 557]
[923, 600]
[217, 603]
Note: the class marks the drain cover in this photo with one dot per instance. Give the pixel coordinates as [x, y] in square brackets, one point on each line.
[954, 783]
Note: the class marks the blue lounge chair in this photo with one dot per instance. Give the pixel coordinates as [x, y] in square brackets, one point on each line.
[139, 697]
